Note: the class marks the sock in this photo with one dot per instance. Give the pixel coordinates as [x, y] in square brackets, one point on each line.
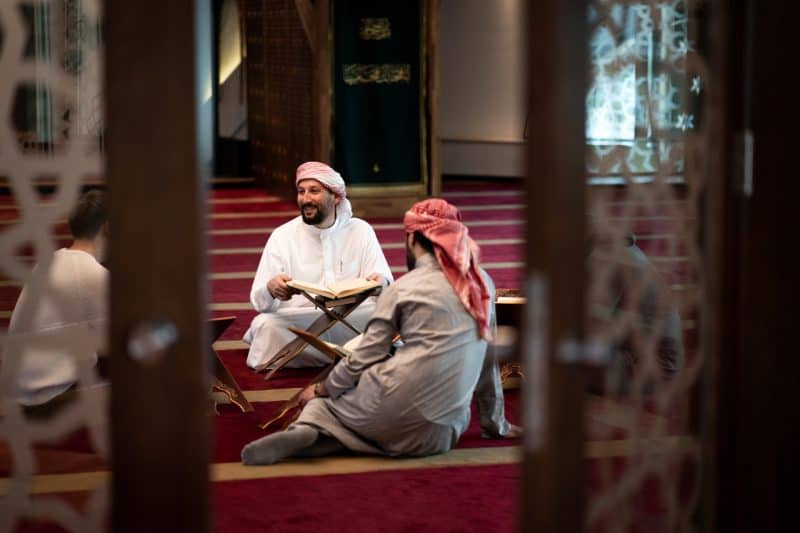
[272, 448]
[324, 445]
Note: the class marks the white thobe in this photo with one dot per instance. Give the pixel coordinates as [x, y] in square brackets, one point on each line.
[73, 308]
[415, 401]
[349, 249]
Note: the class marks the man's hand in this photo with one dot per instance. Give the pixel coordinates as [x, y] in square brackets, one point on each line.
[514, 432]
[377, 277]
[312, 391]
[307, 395]
[278, 289]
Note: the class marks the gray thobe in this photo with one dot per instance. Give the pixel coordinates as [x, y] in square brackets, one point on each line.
[651, 310]
[415, 401]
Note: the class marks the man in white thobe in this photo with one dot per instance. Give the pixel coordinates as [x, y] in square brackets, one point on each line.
[59, 326]
[323, 245]
[411, 399]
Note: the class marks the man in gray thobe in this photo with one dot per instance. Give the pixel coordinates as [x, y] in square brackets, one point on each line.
[412, 399]
[651, 352]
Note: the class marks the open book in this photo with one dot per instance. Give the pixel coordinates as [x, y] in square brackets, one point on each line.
[336, 290]
[510, 300]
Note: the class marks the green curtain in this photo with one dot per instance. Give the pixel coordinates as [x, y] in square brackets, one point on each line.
[378, 86]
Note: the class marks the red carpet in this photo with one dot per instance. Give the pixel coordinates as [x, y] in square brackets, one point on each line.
[233, 429]
[456, 499]
[73, 454]
[460, 499]
[234, 360]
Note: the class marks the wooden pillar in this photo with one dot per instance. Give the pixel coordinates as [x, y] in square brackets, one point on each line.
[254, 35]
[321, 89]
[432, 10]
[754, 157]
[553, 484]
[159, 150]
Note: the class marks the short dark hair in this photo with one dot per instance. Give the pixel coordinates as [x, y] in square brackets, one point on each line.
[423, 241]
[89, 215]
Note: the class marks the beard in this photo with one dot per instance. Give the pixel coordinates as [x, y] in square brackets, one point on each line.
[319, 215]
[411, 261]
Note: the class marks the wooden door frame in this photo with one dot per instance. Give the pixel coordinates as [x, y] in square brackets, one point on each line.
[159, 156]
[741, 463]
[552, 495]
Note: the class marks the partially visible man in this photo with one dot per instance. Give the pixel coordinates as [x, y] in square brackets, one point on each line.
[651, 352]
[323, 245]
[73, 301]
[414, 398]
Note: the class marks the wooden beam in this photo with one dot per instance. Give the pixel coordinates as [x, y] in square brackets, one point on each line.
[433, 8]
[158, 153]
[553, 483]
[751, 385]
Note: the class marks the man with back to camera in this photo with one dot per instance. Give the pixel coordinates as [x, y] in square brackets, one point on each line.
[74, 299]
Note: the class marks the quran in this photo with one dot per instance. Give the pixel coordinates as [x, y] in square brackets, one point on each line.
[336, 290]
[510, 300]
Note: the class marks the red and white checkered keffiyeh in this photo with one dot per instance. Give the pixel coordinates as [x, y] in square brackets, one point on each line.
[458, 255]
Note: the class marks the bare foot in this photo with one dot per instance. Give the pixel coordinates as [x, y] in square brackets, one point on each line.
[514, 432]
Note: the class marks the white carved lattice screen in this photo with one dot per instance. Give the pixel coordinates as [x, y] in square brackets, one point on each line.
[50, 148]
[646, 153]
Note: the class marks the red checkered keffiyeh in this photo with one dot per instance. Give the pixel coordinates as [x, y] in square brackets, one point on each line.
[440, 222]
